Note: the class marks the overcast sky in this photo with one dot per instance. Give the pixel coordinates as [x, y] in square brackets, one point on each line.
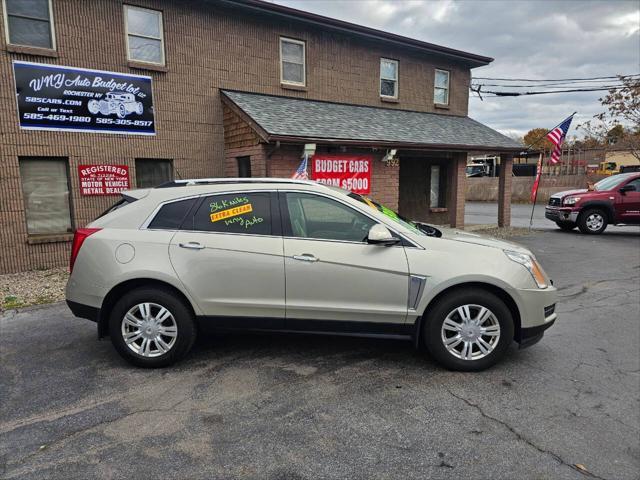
[543, 39]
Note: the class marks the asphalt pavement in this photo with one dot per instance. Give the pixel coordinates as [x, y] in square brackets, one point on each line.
[305, 407]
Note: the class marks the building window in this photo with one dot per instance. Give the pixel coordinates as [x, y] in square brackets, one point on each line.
[438, 182]
[292, 62]
[153, 172]
[145, 41]
[244, 166]
[29, 23]
[45, 187]
[441, 89]
[388, 78]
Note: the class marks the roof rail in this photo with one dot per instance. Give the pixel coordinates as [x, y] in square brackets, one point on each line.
[213, 181]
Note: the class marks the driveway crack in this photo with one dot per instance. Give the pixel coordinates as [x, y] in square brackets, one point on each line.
[522, 438]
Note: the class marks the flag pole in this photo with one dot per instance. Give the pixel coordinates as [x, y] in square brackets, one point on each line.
[541, 165]
[535, 197]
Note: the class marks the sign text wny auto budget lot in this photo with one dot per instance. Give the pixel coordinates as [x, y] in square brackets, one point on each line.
[53, 97]
[351, 172]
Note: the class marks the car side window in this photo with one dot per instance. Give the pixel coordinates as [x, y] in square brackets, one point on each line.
[171, 215]
[635, 183]
[234, 213]
[313, 216]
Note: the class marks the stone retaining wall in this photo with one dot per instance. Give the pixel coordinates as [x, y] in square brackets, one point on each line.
[485, 189]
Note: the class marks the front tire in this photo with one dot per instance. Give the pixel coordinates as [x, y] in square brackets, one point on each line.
[468, 330]
[592, 221]
[566, 226]
[151, 327]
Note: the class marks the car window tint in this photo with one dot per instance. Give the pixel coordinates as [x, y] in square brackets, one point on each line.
[235, 213]
[635, 183]
[172, 214]
[313, 216]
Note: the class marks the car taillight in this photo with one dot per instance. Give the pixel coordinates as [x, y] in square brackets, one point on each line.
[78, 239]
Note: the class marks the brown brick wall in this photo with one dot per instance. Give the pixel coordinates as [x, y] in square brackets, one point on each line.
[457, 189]
[207, 47]
[504, 190]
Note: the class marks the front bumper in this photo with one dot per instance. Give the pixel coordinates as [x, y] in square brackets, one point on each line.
[561, 214]
[537, 313]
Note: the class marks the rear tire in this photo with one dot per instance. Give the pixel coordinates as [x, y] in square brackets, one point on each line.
[477, 344]
[566, 226]
[158, 326]
[592, 221]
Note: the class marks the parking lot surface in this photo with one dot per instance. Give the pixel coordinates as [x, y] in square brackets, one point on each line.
[306, 407]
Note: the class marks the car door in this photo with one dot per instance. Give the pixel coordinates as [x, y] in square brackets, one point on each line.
[332, 273]
[628, 205]
[228, 255]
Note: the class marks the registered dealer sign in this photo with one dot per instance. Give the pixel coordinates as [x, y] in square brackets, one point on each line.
[103, 179]
[351, 172]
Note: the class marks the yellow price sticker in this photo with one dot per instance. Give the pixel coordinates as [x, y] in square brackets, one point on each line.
[231, 212]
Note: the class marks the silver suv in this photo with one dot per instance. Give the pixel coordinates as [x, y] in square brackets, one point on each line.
[275, 254]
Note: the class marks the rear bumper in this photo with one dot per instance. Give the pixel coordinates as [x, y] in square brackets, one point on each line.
[561, 214]
[84, 311]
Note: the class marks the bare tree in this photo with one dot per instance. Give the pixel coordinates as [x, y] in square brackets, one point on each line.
[620, 123]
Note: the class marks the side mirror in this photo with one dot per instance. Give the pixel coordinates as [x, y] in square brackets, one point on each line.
[380, 235]
[627, 188]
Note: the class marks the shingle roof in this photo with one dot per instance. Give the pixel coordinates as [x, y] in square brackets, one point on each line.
[281, 117]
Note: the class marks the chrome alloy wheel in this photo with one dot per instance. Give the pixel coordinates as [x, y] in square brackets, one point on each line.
[594, 222]
[149, 329]
[470, 332]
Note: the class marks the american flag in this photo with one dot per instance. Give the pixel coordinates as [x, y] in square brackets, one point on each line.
[556, 136]
[301, 172]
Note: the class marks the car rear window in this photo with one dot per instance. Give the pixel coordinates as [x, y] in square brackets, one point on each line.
[171, 215]
[123, 202]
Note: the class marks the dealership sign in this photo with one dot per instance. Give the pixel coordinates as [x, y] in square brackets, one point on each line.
[103, 179]
[351, 172]
[51, 97]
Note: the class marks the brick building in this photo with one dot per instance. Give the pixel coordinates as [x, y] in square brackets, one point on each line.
[151, 90]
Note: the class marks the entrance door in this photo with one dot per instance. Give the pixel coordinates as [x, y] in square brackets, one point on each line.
[414, 195]
[332, 273]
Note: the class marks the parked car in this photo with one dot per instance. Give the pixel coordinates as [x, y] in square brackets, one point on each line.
[120, 103]
[614, 200]
[275, 254]
[477, 170]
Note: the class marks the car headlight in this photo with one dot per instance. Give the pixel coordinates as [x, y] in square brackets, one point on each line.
[571, 200]
[530, 264]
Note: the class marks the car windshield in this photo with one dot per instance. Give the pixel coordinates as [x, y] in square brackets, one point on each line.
[474, 168]
[396, 217]
[610, 182]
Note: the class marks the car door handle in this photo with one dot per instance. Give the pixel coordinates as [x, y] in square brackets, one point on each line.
[191, 245]
[306, 257]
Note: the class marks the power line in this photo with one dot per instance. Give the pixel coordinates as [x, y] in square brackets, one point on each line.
[552, 80]
[548, 85]
[519, 94]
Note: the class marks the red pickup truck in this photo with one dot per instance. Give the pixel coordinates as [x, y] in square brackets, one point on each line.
[614, 200]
